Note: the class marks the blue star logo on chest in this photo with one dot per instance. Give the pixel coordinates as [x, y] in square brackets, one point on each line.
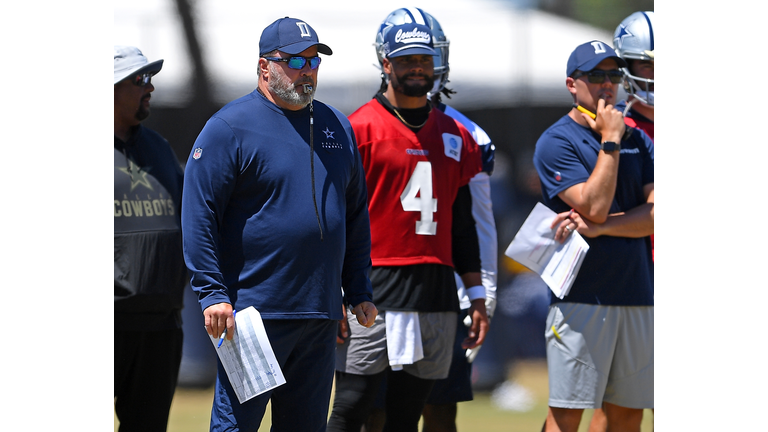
[331, 143]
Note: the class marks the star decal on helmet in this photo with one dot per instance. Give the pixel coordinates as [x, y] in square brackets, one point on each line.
[618, 40]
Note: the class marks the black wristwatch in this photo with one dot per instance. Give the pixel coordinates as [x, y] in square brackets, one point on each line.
[610, 146]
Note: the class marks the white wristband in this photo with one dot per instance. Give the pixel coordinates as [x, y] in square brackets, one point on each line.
[476, 292]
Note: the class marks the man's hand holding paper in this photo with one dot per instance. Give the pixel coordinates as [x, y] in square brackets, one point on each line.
[550, 245]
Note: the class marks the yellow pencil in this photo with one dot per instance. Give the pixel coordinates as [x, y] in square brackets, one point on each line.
[585, 111]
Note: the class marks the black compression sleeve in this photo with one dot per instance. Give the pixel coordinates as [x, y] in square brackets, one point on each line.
[466, 247]
[353, 400]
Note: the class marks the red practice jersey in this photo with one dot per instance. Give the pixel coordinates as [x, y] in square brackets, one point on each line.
[412, 182]
[643, 125]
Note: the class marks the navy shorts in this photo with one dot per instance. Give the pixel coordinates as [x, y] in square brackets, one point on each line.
[458, 386]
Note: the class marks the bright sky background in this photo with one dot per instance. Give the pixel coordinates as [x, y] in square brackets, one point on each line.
[495, 49]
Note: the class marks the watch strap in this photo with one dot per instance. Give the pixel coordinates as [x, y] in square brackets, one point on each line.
[610, 146]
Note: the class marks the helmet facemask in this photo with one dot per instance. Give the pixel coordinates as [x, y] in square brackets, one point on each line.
[641, 89]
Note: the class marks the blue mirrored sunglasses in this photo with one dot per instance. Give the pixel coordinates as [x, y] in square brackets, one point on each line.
[297, 62]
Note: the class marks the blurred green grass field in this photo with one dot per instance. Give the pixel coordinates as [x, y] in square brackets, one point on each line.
[191, 408]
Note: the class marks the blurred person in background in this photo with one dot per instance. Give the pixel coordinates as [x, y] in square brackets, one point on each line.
[441, 408]
[150, 275]
[633, 41]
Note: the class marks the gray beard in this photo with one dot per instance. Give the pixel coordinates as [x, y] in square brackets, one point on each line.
[286, 90]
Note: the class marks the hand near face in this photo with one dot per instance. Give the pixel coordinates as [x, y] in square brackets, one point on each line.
[609, 122]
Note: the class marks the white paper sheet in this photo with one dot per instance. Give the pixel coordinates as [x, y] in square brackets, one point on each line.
[248, 358]
[534, 246]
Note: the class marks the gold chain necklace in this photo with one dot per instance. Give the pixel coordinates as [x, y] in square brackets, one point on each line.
[410, 125]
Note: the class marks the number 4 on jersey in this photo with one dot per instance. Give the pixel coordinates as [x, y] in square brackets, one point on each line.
[421, 181]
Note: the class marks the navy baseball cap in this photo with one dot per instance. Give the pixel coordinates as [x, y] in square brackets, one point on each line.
[290, 36]
[588, 55]
[408, 39]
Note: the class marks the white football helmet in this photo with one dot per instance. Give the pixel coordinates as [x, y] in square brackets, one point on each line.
[634, 40]
[417, 15]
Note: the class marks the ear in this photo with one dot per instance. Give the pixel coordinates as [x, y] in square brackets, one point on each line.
[264, 68]
[386, 66]
[570, 84]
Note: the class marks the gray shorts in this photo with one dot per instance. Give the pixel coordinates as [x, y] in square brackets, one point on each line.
[600, 353]
[365, 350]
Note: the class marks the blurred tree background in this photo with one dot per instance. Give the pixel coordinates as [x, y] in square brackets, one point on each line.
[605, 14]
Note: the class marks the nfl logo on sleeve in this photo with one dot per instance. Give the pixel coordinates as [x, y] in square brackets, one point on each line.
[198, 152]
[452, 144]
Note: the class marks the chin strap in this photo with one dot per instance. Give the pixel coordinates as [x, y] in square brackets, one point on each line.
[309, 90]
[629, 105]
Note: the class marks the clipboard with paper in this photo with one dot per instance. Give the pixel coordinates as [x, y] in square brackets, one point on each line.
[248, 358]
[535, 247]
